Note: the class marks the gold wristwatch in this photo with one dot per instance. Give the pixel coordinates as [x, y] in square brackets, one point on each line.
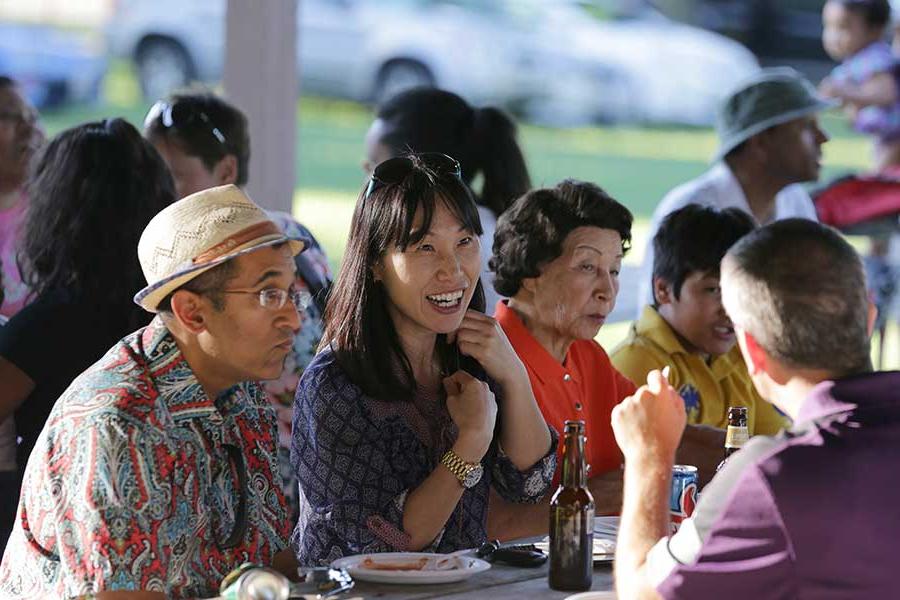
[469, 474]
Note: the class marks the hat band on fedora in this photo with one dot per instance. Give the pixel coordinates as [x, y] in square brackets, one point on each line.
[233, 241]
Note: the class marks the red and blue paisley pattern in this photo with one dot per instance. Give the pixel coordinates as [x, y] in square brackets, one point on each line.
[135, 482]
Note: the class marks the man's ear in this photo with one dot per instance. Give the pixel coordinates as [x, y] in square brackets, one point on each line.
[754, 356]
[226, 170]
[872, 317]
[189, 309]
[663, 293]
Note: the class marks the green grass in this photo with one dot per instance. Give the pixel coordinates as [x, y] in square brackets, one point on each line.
[636, 165]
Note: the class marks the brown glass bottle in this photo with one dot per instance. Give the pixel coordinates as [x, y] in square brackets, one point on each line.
[737, 433]
[572, 518]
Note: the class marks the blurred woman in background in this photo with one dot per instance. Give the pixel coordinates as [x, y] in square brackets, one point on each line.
[93, 190]
[483, 140]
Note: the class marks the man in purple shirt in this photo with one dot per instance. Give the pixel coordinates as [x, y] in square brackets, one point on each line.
[812, 512]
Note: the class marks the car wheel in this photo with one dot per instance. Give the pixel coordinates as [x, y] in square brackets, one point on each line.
[399, 75]
[163, 65]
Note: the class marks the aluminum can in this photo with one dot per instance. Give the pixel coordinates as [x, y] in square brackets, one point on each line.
[250, 582]
[682, 495]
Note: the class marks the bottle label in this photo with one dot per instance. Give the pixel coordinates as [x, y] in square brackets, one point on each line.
[736, 437]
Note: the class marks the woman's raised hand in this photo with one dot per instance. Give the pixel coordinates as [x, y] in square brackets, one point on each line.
[472, 407]
[482, 338]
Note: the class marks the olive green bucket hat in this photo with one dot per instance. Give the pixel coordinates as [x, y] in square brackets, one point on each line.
[771, 97]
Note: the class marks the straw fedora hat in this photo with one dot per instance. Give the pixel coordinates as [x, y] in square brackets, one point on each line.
[199, 232]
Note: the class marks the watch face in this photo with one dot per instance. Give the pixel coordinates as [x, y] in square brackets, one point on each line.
[473, 477]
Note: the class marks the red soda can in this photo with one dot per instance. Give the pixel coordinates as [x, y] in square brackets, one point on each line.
[682, 495]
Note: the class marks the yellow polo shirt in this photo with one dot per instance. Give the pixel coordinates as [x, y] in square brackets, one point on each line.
[708, 389]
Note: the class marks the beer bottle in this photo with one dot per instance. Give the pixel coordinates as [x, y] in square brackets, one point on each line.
[737, 433]
[572, 518]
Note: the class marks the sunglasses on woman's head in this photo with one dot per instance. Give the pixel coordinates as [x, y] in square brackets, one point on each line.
[395, 170]
[181, 115]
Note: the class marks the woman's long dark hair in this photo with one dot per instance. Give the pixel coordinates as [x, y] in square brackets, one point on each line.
[93, 190]
[358, 327]
[483, 140]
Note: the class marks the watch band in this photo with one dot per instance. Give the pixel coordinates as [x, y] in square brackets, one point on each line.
[458, 466]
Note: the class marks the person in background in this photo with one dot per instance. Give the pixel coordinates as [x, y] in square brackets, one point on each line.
[156, 474]
[417, 403]
[865, 83]
[483, 140]
[93, 190]
[769, 142]
[809, 513]
[686, 327]
[20, 137]
[206, 143]
[9, 476]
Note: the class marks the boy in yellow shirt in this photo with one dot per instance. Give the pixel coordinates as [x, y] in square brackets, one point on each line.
[687, 328]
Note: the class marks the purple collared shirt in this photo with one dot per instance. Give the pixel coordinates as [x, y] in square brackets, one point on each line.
[813, 512]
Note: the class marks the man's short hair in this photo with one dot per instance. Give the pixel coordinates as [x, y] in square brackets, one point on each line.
[531, 232]
[800, 290]
[694, 239]
[211, 284]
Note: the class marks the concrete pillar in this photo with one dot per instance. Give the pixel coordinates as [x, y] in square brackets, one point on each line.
[261, 78]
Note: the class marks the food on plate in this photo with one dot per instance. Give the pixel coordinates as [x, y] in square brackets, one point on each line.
[412, 564]
[395, 565]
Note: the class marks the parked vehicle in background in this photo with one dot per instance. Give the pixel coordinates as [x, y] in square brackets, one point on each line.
[362, 50]
[778, 32]
[53, 66]
[559, 62]
[656, 70]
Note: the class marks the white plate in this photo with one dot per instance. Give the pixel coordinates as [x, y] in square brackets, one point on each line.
[469, 566]
[593, 596]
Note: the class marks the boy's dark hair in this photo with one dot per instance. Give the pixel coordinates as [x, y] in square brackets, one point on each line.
[877, 13]
[532, 231]
[196, 137]
[695, 239]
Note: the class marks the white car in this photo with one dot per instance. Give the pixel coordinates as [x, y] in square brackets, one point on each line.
[657, 70]
[551, 60]
[362, 50]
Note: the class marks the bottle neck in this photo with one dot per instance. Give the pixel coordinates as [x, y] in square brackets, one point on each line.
[736, 436]
[574, 474]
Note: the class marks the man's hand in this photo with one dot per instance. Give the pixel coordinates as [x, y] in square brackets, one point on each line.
[649, 424]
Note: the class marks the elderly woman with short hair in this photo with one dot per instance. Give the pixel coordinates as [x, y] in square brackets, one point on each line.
[557, 256]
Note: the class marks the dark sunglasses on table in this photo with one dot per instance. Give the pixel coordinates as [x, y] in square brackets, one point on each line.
[181, 115]
[395, 170]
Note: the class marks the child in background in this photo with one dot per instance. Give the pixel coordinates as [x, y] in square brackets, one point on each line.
[865, 81]
[687, 329]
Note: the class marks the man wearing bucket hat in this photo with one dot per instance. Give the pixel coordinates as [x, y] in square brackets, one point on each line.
[769, 142]
[156, 471]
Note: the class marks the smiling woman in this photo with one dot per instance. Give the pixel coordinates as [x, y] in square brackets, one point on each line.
[397, 437]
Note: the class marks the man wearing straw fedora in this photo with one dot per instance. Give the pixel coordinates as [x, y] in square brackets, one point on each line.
[769, 142]
[155, 474]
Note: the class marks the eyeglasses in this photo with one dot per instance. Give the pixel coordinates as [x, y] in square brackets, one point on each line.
[275, 298]
[181, 115]
[395, 170]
